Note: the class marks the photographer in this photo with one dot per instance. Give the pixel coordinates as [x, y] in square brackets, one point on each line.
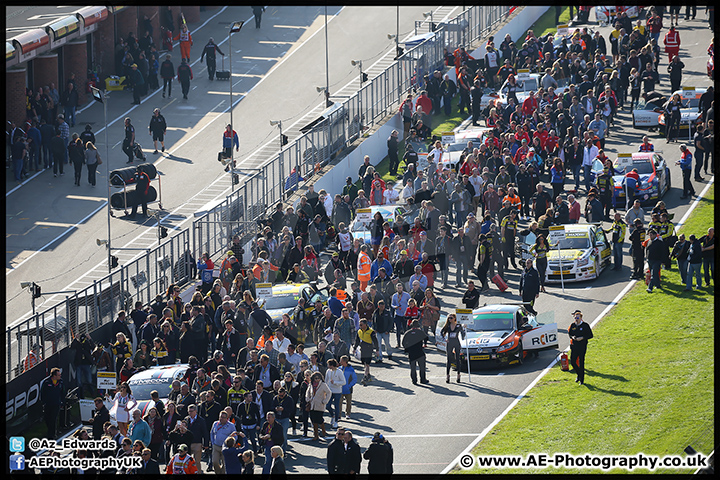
[180, 435]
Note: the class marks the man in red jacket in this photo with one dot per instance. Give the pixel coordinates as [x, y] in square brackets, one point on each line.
[529, 105]
[672, 43]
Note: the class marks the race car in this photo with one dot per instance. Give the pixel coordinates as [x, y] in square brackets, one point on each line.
[526, 82]
[453, 150]
[647, 114]
[689, 114]
[584, 253]
[654, 177]
[500, 335]
[605, 14]
[360, 225]
[158, 378]
[285, 298]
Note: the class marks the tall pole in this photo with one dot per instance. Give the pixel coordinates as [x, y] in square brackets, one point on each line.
[232, 127]
[397, 31]
[107, 170]
[327, 65]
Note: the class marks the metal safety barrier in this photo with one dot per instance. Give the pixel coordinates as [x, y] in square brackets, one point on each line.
[174, 262]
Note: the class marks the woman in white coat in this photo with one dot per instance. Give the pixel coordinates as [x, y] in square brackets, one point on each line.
[317, 396]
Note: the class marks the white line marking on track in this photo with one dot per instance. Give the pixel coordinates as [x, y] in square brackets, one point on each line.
[555, 360]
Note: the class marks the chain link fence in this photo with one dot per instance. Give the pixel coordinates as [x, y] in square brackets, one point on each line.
[98, 304]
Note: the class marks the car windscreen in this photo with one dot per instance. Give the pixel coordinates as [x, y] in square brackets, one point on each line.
[457, 147]
[643, 168]
[573, 241]
[141, 388]
[488, 321]
[529, 84]
[283, 301]
[691, 102]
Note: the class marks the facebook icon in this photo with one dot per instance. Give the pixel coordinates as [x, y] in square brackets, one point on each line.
[17, 462]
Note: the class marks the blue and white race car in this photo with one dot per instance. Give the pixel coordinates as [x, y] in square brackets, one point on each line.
[654, 176]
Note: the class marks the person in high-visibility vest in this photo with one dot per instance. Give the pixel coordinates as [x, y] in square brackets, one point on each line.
[32, 358]
[182, 463]
[364, 264]
[186, 42]
[672, 43]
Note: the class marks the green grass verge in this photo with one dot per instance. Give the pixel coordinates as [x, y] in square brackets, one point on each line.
[546, 24]
[649, 383]
[442, 122]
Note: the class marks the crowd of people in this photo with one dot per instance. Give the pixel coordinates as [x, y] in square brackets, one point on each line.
[250, 382]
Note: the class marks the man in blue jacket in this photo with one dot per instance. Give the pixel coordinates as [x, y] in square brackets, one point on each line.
[380, 261]
[685, 163]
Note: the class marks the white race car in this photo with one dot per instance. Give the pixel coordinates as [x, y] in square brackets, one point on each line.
[584, 253]
[690, 113]
[501, 335]
[452, 151]
[605, 14]
[525, 81]
[646, 114]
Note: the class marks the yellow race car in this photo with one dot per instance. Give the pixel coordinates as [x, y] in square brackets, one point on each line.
[584, 253]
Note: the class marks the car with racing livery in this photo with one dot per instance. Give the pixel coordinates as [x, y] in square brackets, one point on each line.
[584, 252]
[360, 226]
[654, 174]
[285, 296]
[501, 335]
[452, 151]
[647, 114]
[158, 378]
[689, 114]
[607, 14]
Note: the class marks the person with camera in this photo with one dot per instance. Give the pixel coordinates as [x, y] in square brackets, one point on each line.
[379, 455]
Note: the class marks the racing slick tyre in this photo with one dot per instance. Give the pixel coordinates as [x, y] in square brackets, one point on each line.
[117, 200]
[122, 176]
[597, 268]
[521, 354]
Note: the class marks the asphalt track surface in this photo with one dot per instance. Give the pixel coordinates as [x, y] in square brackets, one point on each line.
[428, 425]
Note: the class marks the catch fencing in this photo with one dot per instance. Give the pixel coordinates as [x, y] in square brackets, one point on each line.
[335, 129]
[98, 304]
[173, 262]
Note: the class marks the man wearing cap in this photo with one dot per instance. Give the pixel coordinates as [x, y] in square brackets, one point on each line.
[392, 146]
[138, 83]
[33, 358]
[404, 267]
[508, 226]
[350, 189]
[181, 463]
[142, 189]
[656, 252]
[129, 141]
[579, 333]
[210, 50]
[379, 455]
[184, 75]
[685, 163]
[637, 237]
